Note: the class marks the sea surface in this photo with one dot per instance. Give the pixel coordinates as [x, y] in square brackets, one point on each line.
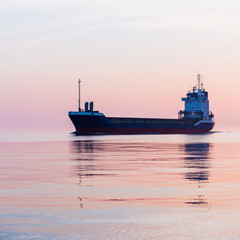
[62, 186]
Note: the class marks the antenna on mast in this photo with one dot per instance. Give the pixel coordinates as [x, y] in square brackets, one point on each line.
[200, 84]
[79, 103]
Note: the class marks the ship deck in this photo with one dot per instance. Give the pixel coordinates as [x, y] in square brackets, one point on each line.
[151, 121]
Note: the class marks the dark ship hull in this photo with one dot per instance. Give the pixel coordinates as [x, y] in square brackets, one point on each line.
[92, 123]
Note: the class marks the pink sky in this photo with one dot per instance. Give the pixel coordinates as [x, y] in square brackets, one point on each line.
[135, 58]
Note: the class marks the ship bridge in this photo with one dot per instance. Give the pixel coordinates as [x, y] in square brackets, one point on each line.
[196, 103]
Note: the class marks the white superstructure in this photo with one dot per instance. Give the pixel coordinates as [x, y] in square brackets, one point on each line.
[197, 103]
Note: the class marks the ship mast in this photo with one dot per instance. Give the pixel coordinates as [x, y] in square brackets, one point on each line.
[200, 85]
[79, 103]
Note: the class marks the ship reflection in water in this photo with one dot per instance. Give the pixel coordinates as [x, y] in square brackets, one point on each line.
[197, 161]
[126, 167]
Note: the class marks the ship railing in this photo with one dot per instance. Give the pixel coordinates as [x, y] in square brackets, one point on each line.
[150, 122]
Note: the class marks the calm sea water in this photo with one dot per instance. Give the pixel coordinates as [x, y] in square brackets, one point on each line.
[61, 186]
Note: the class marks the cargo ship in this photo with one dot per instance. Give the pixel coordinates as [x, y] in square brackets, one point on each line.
[195, 118]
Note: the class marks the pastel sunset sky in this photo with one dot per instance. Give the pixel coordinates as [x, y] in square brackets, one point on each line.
[135, 58]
